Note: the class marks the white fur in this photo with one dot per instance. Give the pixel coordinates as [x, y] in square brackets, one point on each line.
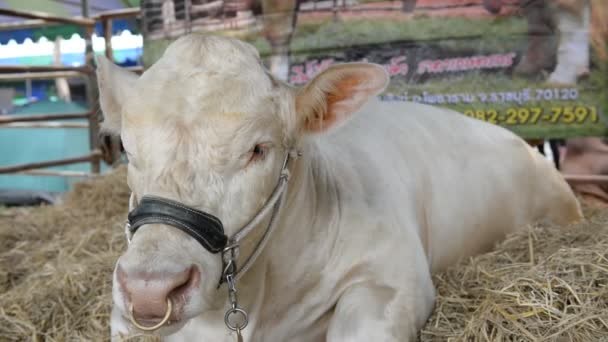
[373, 208]
[574, 49]
[279, 65]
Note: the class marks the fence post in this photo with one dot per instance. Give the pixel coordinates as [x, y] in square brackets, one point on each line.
[91, 90]
[114, 141]
[334, 9]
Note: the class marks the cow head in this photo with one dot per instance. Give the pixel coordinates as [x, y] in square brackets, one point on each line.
[209, 127]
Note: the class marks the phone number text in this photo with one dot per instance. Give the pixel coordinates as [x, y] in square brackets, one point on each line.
[537, 115]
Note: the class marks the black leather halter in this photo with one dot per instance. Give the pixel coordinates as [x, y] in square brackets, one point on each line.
[205, 228]
[209, 232]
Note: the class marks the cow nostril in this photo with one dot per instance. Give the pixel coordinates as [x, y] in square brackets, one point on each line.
[147, 293]
[190, 282]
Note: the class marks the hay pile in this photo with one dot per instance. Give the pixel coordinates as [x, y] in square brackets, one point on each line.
[543, 284]
[548, 283]
[56, 264]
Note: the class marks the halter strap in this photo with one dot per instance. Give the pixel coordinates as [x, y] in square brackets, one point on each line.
[274, 203]
[208, 229]
[205, 228]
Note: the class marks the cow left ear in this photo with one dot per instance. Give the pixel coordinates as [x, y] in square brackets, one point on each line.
[115, 87]
[336, 93]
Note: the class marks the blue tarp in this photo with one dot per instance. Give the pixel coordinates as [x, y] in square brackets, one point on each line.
[27, 145]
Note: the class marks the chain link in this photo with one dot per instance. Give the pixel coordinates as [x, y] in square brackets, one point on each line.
[231, 273]
[230, 268]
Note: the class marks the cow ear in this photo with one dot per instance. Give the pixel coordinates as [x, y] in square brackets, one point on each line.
[336, 93]
[115, 86]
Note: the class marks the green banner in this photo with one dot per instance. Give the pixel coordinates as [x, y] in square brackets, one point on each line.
[539, 69]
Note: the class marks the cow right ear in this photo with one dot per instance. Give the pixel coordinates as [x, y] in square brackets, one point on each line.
[336, 93]
[115, 86]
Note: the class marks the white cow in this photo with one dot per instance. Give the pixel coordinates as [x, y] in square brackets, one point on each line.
[375, 203]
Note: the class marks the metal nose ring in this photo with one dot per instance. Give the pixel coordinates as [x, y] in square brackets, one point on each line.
[157, 326]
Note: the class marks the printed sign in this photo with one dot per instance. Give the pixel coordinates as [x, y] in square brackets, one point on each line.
[537, 67]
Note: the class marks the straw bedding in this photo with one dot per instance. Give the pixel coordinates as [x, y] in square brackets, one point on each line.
[545, 283]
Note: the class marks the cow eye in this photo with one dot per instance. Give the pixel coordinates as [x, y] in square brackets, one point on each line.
[258, 150]
[257, 153]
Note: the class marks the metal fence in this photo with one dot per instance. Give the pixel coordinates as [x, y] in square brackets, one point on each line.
[110, 150]
[173, 18]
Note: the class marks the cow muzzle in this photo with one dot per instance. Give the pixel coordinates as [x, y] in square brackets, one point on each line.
[156, 299]
[152, 296]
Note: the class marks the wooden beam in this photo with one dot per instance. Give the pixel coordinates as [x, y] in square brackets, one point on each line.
[48, 124]
[58, 162]
[206, 7]
[120, 13]
[60, 173]
[42, 68]
[47, 17]
[5, 119]
[107, 36]
[18, 25]
[22, 76]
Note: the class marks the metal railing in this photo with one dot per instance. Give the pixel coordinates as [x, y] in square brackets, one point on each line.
[172, 18]
[18, 72]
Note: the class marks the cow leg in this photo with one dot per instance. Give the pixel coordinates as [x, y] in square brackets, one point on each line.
[539, 54]
[279, 20]
[279, 62]
[373, 312]
[573, 50]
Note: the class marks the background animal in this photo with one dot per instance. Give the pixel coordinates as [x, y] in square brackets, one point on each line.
[278, 18]
[578, 24]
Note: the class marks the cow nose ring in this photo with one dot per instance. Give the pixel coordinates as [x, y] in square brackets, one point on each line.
[154, 327]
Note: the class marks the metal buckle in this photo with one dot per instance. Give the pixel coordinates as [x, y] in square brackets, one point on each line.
[128, 232]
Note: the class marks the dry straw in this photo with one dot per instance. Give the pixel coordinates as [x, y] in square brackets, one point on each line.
[546, 283]
[56, 264]
[542, 284]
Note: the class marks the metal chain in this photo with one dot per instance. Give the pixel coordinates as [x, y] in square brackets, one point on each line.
[229, 275]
